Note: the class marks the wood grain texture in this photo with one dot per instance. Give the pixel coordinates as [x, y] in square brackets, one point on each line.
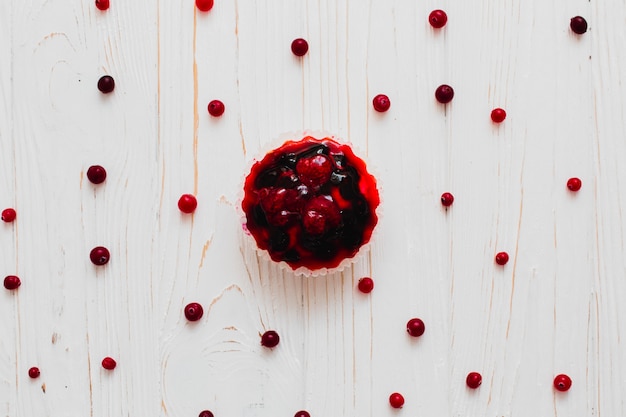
[554, 308]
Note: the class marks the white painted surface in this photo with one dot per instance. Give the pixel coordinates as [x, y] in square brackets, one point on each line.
[556, 307]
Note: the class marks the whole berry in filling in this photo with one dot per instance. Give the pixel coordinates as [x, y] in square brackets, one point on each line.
[187, 203]
[574, 184]
[270, 339]
[205, 413]
[562, 382]
[366, 285]
[396, 400]
[109, 363]
[498, 115]
[447, 199]
[438, 19]
[216, 108]
[444, 94]
[315, 170]
[204, 5]
[99, 255]
[578, 24]
[102, 4]
[34, 372]
[11, 282]
[96, 174]
[381, 103]
[299, 47]
[415, 327]
[502, 258]
[193, 311]
[106, 84]
[8, 215]
[473, 380]
[302, 413]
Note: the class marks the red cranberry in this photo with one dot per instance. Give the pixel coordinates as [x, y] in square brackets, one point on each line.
[96, 174]
[578, 25]
[498, 115]
[216, 108]
[270, 339]
[99, 255]
[102, 4]
[438, 19]
[415, 327]
[34, 372]
[473, 380]
[106, 84]
[562, 382]
[447, 199]
[109, 363]
[381, 103]
[299, 47]
[204, 5]
[396, 400]
[302, 413]
[366, 285]
[574, 184]
[205, 413]
[8, 215]
[187, 203]
[444, 93]
[314, 171]
[11, 282]
[193, 311]
[502, 258]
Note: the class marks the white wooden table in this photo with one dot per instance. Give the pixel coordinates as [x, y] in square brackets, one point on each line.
[556, 307]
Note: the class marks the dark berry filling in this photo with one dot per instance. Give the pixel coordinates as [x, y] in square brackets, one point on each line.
[311, 203]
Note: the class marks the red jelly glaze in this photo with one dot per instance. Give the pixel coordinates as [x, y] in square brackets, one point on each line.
[381, 103]
[578, 24]
[204, 5]
[205, 413]
[310, 203]
[444, 94]
[574, 184]
[396, 400]
[498, 115]
[109, 363]
[302, 413]
[366, 285]
[194, 311]
[216, 108]
[12, 282]
[102, 4]
[447, 199]
[415, 327]
[438, 19]
[502, 258]
[8, 215]
[187, 203]
[562, 382]
[299, 47]
[473, 380]
[34, 372]
[270, 339]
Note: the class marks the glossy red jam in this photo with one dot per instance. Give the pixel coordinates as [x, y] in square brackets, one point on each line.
[310, 203]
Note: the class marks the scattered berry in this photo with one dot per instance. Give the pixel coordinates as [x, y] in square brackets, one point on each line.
[473, 380]
[502, 258]
[574, 184]
[270, 339]
[109, 363]
[438, 19]
[102, 4]
[8, 215]
[447, 199]
[205, 413]
[415, 327]
[302, 413]
[578, 25]
[366, 285]
[498, 115]
[444, 93]
[193, 311]
[106, 84]
[396, 400]
[381, 103]
[299, 47]
[34, 372]
[96, 174]
[11, 282]
[562, 382]
[187, 203]
[99, 255]
[216, 108]
[204, 5]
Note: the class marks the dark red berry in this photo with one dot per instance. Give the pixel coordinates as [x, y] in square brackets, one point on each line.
[8, 215]
[502, 258]
[204, 5]
[193, 311]
[99, 255]
[299, 47]
[96, 174]
[11, 282]
[498, 115]
[578, 25]
[302, 413]
[562, 382]
[473, 380]
[314, 171]
[270, 339]
[381, 103]
[216, 108]
[109, 363]
[574, 184]
[106, 84]
[366, 285]
[415, 327]
[205, 413]
[102, 4]
[320, 215]
[447, 199]
[187, 203]
[396, 400]
[34, 372]
[444, 94]
[438, 19]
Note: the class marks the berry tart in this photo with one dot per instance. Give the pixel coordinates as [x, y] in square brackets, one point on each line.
[310, 204]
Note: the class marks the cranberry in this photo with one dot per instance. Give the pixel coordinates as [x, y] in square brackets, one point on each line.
[102, 4]
[562, 382]
[578, 25]
[314, 171]
[396, 400]
[415, 327]
[193, 311]
[96, 174]
[8, 215]
[473, 380]
[109, 363]
[187, 203]
[438, 18]
[270, 339]
[302, 413]
[34, 372]
[447, 199]
[502, 258]
[381, 103]
[574, 184]
[216, 108]
[204, 5]
[498, 115]
[106, 84]
[299, 47]
[205, 413]
[99, 255]
[366, 285]
[11, 282]
[320, 215]
[444, 93]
